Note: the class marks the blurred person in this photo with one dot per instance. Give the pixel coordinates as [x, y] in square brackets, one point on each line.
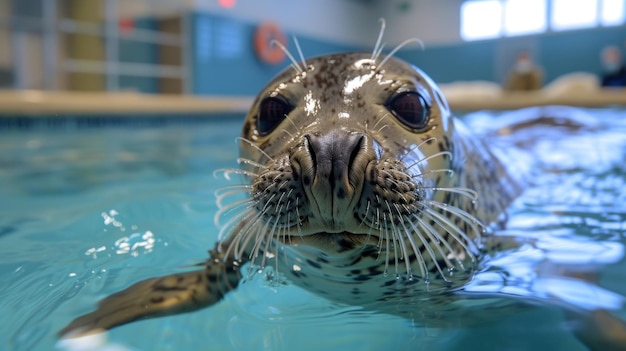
[614, 70]
[525, 76]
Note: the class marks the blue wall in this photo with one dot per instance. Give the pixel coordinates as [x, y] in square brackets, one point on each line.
[467, 61]
[557, 53]
[224, 62]
[578, 51]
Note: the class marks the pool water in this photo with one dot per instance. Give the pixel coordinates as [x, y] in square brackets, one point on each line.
[85, 211]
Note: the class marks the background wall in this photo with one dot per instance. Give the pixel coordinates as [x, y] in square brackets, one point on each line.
[224, 62]
[448, 58]
[491, 60]
[206, 46]
[351, 22]
[325, 26]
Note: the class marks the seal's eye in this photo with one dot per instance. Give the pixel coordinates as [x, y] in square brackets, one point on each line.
[271, 112]
[410, 108]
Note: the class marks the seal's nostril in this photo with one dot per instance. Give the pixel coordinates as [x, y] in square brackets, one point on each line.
[333, 167]
[333, 156]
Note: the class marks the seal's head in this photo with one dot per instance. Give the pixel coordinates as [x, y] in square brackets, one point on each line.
[352, 152]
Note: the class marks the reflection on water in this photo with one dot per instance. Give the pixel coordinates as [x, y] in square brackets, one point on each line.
[85, 214]
[572, 217]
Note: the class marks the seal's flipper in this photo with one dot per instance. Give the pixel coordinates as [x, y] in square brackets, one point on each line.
[171, 294]
[600, 330]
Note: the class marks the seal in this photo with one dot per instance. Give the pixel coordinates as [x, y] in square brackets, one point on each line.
[360, 186]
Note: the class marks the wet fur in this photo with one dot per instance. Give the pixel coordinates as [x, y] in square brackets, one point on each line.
[383, 260]
[388, 250]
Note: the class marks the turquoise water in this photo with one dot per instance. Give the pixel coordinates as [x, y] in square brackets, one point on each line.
[86, 211]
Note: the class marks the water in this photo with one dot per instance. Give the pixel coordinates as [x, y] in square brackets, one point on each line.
[84, 212]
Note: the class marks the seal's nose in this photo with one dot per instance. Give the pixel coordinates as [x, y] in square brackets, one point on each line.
[333, 158]
[338, 164]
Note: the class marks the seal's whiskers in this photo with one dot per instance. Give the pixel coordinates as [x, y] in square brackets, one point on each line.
[429, 249]
[400, 46]
[467, 192]
[435, 238]
[420, 173]
[412, 149]
[298, 219]
[378, 47]
[385, 116]
[247, 217]
[288, 133]
[231, 190]
[268, 239]
[394, 238]
[246, 161]
[299, 49]
[226, 227]
[418, 254]
[398, 236]
[429, 157]
[387, 241]
[463, 215]
[260, 238]
[432, 171]
[454, 231]
[255, 147]
[295, 64]
[227, 172]
[247, 203]
[246, 234]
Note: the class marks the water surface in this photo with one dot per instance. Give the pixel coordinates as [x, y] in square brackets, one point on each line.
[85, 212]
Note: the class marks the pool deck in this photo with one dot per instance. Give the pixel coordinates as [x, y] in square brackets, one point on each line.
[517, 100]
[36, 103]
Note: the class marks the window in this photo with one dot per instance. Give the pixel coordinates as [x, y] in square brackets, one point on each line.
[612, 12]
[574, 14]
[486, 19]
[481, 19]
[524, 17]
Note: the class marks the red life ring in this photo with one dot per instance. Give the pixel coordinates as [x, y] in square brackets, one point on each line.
[265, 33]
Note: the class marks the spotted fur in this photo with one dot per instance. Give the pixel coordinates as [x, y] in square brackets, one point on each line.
[406, 219]
[342, 198]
